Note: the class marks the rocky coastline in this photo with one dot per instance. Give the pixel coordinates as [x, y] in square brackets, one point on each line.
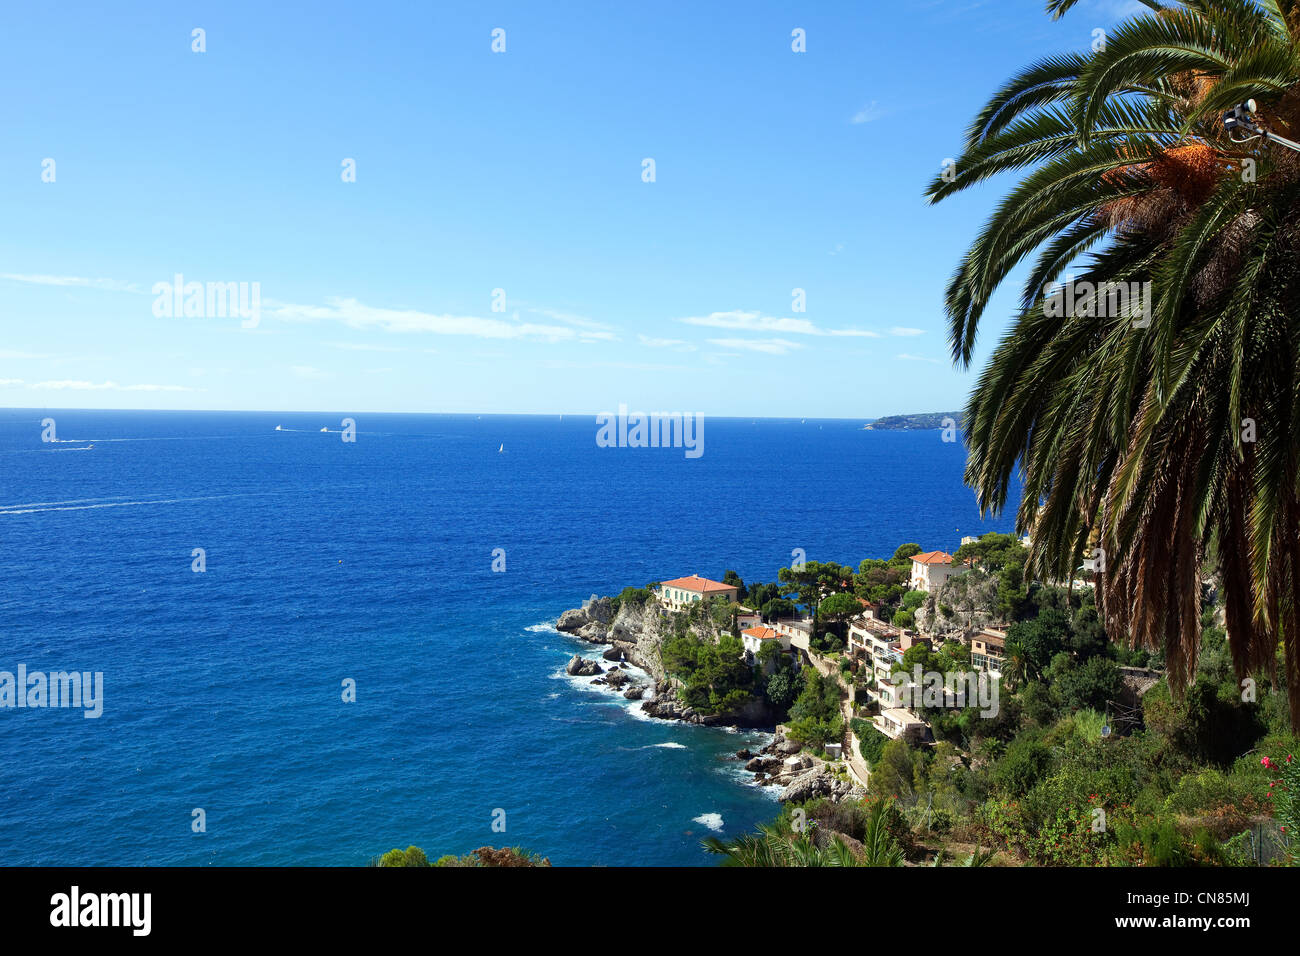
[632, 636]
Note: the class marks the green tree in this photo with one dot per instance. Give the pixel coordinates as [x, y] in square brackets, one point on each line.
[411, 856]
[836, 609]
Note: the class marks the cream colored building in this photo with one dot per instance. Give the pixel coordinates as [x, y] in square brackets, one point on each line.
[896, 722]
[680, 592]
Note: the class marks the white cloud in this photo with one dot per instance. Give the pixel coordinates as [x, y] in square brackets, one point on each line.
[919, 358]
[757, 322]
[767, 346]
[680, 345]
[10, 381]
[9, 354]
[905, 330]
[84, 386]
[568, 318]
[357, 315]
[362, 347]
[868, 114]
[107, 285]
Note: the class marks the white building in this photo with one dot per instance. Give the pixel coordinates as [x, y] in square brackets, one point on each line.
[895, 723]
[753, 638]
[930, 569]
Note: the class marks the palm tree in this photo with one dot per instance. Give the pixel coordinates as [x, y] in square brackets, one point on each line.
[879, 848]
[1015, 664]
[980, 857]
[1170, 431]
[775, 844]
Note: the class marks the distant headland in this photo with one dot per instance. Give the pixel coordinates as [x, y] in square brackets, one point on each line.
[914, 423]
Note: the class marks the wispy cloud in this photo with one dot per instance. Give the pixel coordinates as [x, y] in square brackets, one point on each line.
[630, 366]
[83, 386]
[568, 318]
[10, 354]
[757, 322]
[363, 347]
[10, 381]
[357, 315]
[767, 346]
[905, 331]
[680, 345]
[869, 113]
[78, 282]
[919, 358]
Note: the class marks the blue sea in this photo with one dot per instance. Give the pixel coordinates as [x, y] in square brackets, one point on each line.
[329, 561]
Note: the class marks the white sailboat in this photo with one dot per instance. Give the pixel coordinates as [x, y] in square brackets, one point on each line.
[502, 449]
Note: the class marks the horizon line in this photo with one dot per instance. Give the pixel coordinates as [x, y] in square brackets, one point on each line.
[319, 411]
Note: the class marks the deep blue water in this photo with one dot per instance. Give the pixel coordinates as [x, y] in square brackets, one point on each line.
[372, 561]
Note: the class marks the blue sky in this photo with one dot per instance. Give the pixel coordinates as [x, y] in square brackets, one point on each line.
[477, 171]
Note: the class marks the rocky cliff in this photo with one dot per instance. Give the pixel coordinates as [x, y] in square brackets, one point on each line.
[635, 634]
[972, 599]
[635, 631]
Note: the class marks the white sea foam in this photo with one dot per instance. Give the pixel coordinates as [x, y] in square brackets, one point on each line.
[711, 820]
[115, 504]
[70, 501]
[670, 745]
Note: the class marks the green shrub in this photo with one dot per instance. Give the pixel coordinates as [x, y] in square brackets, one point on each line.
[1023, 765]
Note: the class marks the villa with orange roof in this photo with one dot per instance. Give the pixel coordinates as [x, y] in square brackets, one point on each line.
[755, 637]
[930, 569]
[679, 592]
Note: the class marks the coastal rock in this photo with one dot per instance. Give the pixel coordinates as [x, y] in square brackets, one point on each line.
[580, 667]
[598, 609]
[668, 709]
[636, 633]
[593, 632]
[617, 678]
[817, 782]
[570, 621]
[635, 692]
[744, 754]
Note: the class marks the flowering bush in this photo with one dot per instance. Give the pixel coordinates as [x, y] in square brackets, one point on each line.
[1285, 794]
[1064, 837]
